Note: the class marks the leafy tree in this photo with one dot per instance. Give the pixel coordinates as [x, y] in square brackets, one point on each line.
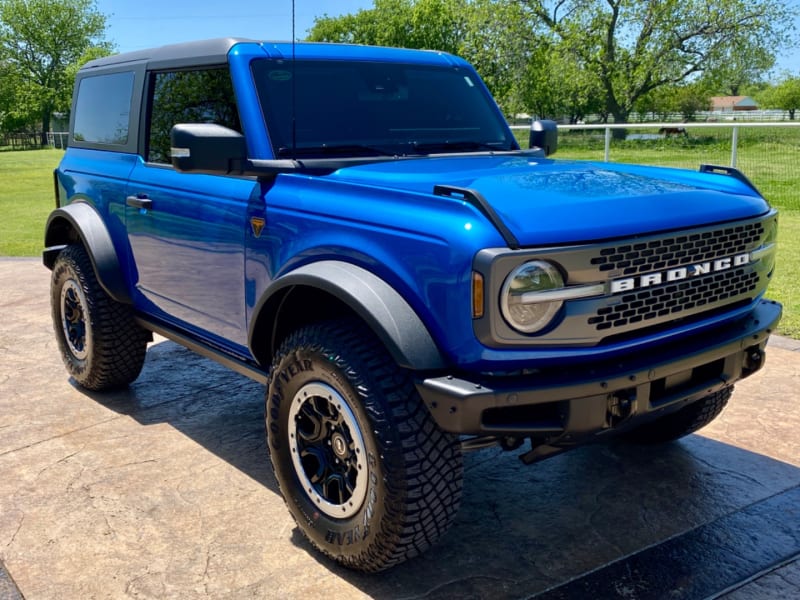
[494, 36]
[783, 96]
[498, 43]
[432, 24]
[557, 87]
[41, 41]
[742, 66]
[638, 46]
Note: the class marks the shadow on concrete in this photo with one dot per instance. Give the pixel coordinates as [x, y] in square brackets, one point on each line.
[217, 408]
[523, 530]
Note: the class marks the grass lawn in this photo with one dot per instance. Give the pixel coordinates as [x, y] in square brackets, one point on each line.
[26, 197]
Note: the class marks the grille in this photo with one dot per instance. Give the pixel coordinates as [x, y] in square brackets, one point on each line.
[652, 303]
[656, 255]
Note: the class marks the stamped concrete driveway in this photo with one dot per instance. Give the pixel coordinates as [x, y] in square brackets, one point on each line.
[165, 491]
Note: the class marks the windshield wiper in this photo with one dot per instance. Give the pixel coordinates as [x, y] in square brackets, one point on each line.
[334, 150]
[459, 146]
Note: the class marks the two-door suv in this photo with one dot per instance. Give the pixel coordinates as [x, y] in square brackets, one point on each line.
[358, 228]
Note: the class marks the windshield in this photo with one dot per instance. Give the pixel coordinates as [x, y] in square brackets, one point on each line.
[358, 108]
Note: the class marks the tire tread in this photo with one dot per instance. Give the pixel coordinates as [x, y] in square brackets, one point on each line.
[426, 463]
[119, 344]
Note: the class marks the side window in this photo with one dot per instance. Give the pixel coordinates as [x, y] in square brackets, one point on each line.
[201, 96]
[103, 109]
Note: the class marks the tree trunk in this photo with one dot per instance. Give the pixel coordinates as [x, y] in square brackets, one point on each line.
[791, 114]
[620, 116]
[46, 114]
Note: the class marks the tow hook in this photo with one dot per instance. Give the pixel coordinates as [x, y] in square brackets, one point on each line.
[753, 360]
[620, 406]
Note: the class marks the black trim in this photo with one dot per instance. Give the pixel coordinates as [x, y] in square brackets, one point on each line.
[243, 367]
[476, 199]
[574, 401]
[732, 172]
[268, 167]
[383, 309]
[83, 219]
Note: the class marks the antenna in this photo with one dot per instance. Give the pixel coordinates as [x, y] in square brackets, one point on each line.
[294, 90]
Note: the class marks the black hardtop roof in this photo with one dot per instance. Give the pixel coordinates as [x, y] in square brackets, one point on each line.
[203, 52]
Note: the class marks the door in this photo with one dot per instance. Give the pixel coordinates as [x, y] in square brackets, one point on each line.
[187, 231]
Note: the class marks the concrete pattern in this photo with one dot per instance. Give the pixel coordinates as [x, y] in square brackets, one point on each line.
[164, 490]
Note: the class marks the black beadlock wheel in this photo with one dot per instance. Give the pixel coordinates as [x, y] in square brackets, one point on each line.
[366, 473]
[683, 422]
[102, 346]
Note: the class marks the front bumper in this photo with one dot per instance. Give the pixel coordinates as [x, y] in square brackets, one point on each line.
[584, 400]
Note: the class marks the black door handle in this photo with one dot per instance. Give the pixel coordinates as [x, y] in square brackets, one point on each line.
[140, 201]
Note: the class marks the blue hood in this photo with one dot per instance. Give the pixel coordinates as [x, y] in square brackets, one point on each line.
[544, 201]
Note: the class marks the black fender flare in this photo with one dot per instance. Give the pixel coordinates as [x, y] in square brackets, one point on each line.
[83, 219]
[381, 307]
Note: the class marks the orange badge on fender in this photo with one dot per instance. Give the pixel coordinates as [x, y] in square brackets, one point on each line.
[257, 225]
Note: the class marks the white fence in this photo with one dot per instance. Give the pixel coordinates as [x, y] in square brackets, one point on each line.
[666, 129]
[57, 139]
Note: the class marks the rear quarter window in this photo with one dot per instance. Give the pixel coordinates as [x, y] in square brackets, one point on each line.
[103, 109]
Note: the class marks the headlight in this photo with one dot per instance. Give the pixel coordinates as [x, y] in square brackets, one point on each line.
[522, 302]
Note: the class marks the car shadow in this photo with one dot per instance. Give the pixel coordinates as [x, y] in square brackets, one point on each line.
[220, 410]
[521, 529]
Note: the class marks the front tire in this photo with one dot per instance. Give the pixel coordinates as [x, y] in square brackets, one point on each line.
[101, 345]
[366, 473]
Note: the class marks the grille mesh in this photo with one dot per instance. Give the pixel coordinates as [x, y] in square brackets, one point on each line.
[656, 255]
[652, 303]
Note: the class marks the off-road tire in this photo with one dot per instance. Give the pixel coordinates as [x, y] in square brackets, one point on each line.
[683, 422]
[402, 473]
[102, 346]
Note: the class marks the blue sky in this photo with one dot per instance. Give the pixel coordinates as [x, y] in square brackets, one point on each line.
[137, 24]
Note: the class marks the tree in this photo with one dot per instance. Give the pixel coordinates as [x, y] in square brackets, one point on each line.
[431, 24]
[743, 66]
[39, 41]
[638, 46]
[498, 43]
[555, 86]
[494, 36]
[784, 96]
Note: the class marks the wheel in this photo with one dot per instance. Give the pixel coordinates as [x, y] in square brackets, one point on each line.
[102, 346]
[366, 473]
[683, 422]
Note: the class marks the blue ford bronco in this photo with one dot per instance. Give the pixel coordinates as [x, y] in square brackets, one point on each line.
[359, 229]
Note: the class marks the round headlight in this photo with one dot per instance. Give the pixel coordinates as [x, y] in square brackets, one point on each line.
[523, 308]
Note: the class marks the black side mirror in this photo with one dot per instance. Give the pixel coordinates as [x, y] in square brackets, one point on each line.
[544, 135]
[207, 148]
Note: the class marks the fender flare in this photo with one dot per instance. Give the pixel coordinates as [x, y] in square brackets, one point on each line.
[383, 309]
[83, 219]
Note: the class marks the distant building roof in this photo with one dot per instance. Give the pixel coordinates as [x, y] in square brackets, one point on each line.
[731, 103]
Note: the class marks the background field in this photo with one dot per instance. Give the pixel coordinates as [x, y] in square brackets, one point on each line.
[771, 162]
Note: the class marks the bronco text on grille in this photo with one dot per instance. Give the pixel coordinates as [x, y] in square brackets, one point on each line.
[680, 273]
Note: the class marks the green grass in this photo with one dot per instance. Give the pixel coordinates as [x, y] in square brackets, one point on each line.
[26, 193]
[785, 288]
[26, 198]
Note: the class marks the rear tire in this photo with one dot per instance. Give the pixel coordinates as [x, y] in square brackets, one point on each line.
[102, 346]
[683, 422]
[366, 473]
